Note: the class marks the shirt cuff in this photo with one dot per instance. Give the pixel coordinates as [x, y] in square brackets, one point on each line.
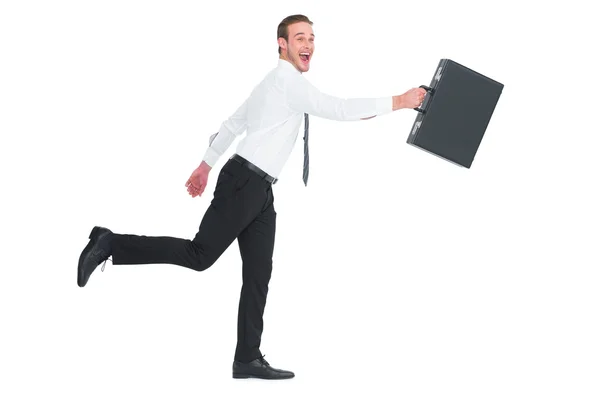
[384, 105]
[211, 157]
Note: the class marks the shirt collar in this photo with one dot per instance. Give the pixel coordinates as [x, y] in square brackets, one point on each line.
[288, 65]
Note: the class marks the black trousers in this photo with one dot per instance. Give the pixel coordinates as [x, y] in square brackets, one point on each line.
[242, 208]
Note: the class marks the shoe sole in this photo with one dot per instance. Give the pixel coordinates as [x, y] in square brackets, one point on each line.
[80, 282]
[246, 376]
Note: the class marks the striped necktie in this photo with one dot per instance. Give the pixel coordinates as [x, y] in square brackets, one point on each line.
[305, 169]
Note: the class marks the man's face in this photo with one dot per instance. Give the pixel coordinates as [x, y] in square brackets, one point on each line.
[300, 45]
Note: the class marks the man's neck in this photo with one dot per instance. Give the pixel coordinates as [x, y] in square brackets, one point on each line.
[281, 57]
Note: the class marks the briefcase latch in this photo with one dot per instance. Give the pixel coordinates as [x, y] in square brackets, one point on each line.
[417, 126]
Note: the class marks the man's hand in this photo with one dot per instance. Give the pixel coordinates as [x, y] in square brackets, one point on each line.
[411, 99]
[198, 180]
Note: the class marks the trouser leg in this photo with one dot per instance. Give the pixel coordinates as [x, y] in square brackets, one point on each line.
[256, 244]
[233, 207]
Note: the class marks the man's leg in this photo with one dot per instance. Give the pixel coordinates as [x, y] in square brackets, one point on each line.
[256, 244]
[230, 211]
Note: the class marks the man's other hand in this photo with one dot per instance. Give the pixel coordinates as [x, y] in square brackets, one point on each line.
[198, 180]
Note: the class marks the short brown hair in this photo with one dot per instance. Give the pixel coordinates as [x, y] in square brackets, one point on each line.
[282, 29]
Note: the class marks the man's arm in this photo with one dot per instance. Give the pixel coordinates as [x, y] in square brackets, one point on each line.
[230, 129]
[398, 102]
[302, 96]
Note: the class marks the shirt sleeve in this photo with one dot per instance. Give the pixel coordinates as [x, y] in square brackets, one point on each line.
[304, 97]
[219, 142]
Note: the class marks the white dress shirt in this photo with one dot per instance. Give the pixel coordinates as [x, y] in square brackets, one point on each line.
[272, 115]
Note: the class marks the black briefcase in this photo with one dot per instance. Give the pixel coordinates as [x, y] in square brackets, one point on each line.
[455, 113]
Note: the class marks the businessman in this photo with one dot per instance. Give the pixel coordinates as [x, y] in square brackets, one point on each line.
[242, 207]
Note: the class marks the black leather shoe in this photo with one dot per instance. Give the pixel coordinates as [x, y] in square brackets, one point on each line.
[259, 368]
[96, 251]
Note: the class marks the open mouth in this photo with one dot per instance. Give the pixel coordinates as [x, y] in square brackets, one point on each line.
[305, 57]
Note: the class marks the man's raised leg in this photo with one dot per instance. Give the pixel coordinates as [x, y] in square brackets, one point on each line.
[230, 211]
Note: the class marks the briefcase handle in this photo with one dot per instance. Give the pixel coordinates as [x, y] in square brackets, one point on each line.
[431, 92]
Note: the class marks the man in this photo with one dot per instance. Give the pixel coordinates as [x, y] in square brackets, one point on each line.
[243, 204]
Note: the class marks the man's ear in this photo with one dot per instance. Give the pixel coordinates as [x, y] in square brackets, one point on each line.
[282, 43]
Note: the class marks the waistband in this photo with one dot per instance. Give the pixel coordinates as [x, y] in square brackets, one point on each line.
[254, 168]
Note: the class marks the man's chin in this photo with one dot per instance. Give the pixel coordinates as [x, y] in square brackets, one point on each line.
[304, 67]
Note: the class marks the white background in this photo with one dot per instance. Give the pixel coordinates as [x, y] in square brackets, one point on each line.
[396, 274]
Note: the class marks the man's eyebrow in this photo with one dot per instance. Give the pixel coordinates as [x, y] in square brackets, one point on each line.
[302, 33]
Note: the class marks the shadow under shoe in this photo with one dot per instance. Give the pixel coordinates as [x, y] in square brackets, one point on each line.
[97, 251]
[259, 368]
